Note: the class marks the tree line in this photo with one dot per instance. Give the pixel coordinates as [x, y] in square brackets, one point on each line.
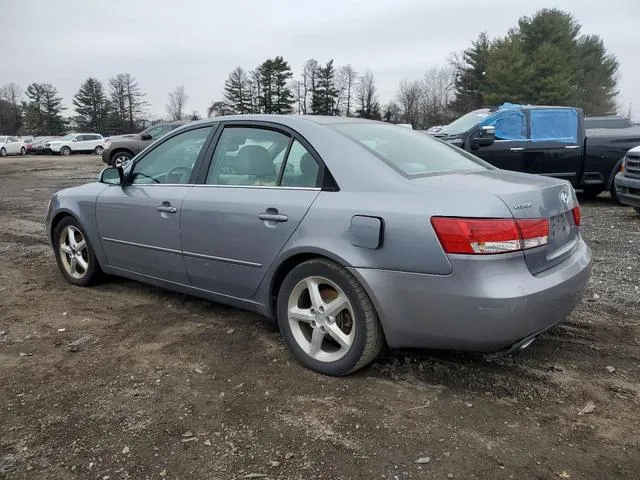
[544, 59]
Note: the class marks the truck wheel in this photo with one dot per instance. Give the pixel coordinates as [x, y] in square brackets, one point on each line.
[614, 194]
[124, 157]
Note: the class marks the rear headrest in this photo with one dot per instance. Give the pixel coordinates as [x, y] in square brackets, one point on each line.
[308, 165]
[255, 160]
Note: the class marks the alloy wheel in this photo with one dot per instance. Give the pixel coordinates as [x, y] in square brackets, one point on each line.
[321, 319]
[74, 252]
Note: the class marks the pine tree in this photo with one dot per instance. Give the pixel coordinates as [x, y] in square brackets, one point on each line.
[43, 110]
[509, 73]
[596, 77]
[91, 104]
[324, 95]
[275, 95]
[237, 91]
[471, 68]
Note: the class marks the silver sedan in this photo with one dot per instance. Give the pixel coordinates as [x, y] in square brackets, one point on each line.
[349, 233]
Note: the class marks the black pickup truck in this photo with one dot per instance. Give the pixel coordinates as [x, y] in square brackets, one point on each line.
[544, 140]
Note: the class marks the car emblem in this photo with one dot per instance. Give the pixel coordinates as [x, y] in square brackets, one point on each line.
[564, 197]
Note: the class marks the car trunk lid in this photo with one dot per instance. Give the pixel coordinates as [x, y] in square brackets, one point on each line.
[526, 196]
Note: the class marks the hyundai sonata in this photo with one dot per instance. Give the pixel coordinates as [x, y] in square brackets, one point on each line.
[349, 233]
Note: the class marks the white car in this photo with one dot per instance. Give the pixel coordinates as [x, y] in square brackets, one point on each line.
[76, 143]
[11, 146]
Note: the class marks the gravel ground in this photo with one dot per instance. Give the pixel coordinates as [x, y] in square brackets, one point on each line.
[169, 386]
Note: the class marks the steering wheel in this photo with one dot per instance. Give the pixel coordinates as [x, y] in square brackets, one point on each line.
[182, 171]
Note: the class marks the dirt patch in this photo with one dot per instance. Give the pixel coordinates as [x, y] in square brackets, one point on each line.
[168, 386]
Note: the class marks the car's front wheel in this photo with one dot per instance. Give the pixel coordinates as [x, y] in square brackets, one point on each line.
[327, 319]
[98, 150]
[3, 152]
[74, 254]
[122, 157]
[66, 151]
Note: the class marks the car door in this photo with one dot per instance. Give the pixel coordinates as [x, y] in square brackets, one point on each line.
[236, 222]
[13, 146]
[92, 142]
[78, 143]
[139, 224]
[511, 140]
[556, 146]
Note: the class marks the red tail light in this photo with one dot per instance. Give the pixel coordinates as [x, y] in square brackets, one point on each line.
[489, 236]
[577, 215]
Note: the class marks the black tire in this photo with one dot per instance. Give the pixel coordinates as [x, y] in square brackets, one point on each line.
[98, 150]
[93, 271]
[614, 194]
[23, 151]
[65, 151]
[3, 152]
[368, 337]
[590, 193]
[123, 155]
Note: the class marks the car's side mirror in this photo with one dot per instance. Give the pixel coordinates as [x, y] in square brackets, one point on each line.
[74, 140]
[112, 176]
[146, 136]
[485, 137]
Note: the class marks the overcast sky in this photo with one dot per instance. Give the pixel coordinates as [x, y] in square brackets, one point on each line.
[197, 42]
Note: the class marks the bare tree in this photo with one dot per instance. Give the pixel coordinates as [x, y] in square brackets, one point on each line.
[439, 92]
[11, 112]
[392, 112]
[349, 77]
[177, 101]
[410, 94]
[366, 96]
[127, 101]
[309, 72]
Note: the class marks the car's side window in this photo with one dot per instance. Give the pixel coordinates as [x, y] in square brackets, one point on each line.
[172, 161]
[301, 169]
[247, 156]
[80, 138]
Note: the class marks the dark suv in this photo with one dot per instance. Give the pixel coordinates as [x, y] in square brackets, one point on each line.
[125, 147]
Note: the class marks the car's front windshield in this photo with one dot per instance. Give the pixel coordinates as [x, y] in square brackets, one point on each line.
[408, 152]
[465, 122]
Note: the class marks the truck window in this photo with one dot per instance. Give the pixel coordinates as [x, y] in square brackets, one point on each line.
[556, 125]
[510, 125]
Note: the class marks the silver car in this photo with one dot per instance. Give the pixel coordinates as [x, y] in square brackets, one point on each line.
[349, 233]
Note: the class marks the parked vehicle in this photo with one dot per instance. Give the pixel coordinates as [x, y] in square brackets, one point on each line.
[124, 147]
[76, 143]
[549, 141]
[431, 248]
[11, 146]
[607, 122]
[38, 145]
[627, 181]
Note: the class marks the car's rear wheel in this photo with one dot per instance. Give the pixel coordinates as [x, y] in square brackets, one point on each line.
[23, 151]
[123, 157]
[66, 151]
[327, 319]
[74, 254]
[3, 152]
[98, 150]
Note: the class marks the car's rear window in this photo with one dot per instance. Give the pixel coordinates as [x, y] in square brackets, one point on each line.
[413, 154]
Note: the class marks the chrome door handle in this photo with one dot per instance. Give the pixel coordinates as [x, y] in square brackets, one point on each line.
[571, 147]
[516, 149]
[167, 209]
[273, 217]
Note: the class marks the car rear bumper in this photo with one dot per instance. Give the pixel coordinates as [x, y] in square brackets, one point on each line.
[628, 190]
[487, 304]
